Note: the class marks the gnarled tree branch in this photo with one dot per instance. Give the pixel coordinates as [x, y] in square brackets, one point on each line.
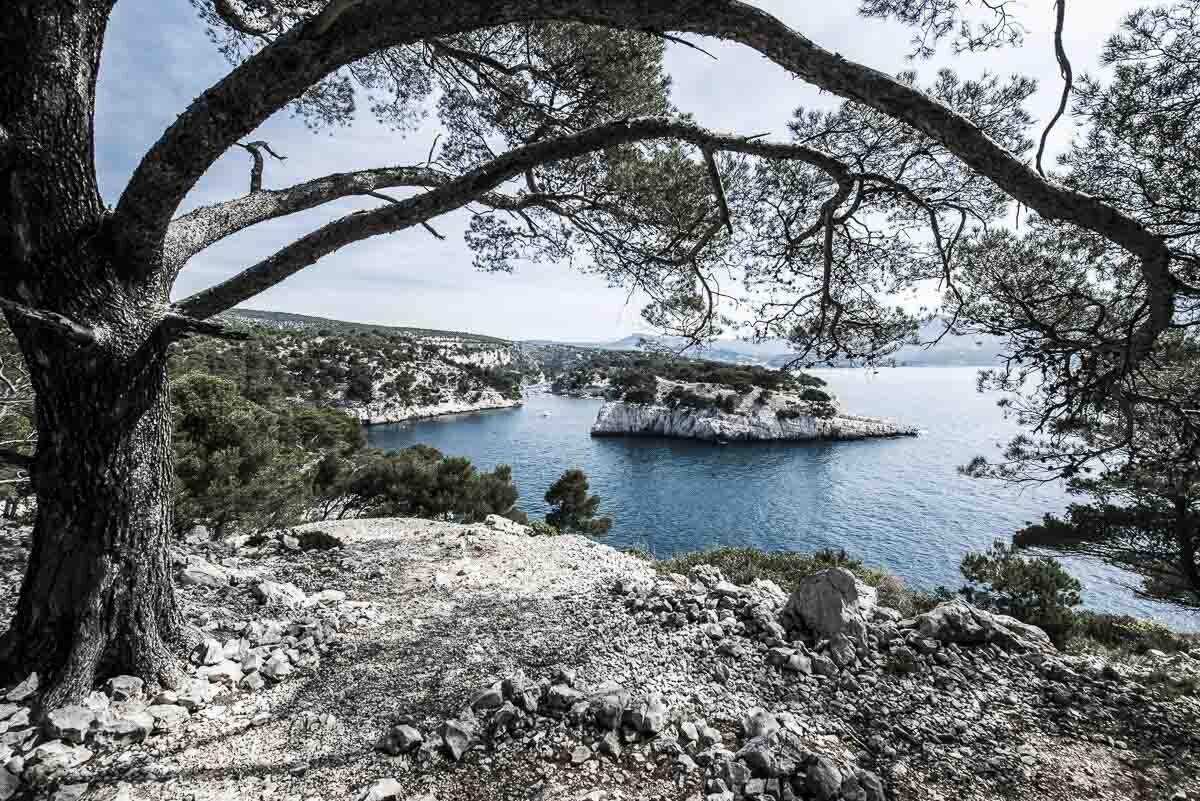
[199, 229]
[478, 185]
[52, 321]
[285, 68]
[256, 172]
[1064, 66]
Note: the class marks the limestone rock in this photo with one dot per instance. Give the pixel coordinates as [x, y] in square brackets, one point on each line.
[383, 790]
[211, 652]
[273, 593]
[133, 725]
[503, 524]
[400, 740]
[124, 688]
[959, 622]
[56, 756]
[487, 698]
[457, 736]
[9, 785]
[830, 602]
[277, 667]
[168, 716]
[25, 690]
[650, 716]
[71, 723]
[758, 722]
[200, 571]
[824, 779]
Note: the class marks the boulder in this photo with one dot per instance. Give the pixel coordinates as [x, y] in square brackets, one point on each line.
[383, 790]
[824, 779]
[758, 722]
[168, 716]
[134, 725]
[274, 593]
[211, 652]
[25, 690]
[959, 622]
[277, 667]
[456, 737]
[325, 597]
[650, 716]
[503, 524]
[71, 723]
[830, 602]
[487, 698]
[9, 785]
[199, 571]
[124, 688]
[400, 740]
[57, 756]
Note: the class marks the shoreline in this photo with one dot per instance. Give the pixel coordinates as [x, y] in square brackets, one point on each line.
[372, 422]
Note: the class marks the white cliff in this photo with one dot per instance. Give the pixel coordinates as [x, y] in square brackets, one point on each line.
[756, 415]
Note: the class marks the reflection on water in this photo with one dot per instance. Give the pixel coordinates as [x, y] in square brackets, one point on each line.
[897, 502]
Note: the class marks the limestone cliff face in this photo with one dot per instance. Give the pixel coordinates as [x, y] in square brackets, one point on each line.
[756, 416]
[391, 411]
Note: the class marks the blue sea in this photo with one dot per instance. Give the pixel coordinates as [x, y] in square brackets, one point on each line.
[896, 503]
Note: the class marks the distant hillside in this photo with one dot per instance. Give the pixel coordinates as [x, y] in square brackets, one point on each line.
[285, 321]
[374, 373]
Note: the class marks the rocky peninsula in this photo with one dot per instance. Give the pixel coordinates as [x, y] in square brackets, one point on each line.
[712, 412]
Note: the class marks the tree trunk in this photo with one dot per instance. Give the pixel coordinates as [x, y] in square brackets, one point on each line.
[97, 597]
[1185, 537]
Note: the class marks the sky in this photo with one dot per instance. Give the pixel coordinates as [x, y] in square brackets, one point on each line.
[158, 58]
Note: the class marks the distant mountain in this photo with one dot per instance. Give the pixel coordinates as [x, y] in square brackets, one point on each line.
[951, 351]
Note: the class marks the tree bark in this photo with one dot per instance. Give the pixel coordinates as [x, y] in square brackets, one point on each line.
[97, 596]
[1185, 537]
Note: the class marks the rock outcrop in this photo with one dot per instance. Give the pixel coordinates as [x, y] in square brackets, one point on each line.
[755, 416]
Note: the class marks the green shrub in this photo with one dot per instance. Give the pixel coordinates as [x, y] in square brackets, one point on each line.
[541, 528]
[317, 540]
[787, 568]
[572, 508]
[1099, 632]
[812, 394]
[788, 413]
[728, 403]
[257, 540]
[1034, 590]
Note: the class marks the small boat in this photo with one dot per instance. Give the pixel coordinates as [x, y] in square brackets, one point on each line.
[545, 414]
[721, 442]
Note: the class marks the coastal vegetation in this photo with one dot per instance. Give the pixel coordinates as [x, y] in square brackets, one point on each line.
[572, 509]
[630, 375]
[1033, 590]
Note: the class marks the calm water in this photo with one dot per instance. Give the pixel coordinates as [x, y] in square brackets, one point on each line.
[897, 503]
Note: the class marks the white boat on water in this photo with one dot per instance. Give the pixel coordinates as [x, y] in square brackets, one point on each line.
[545, 414]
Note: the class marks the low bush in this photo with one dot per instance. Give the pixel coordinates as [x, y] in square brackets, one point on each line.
[728, 403]
[1109, 635]
[317, 540]
[811, 394]
[540, 528]
[1035, 590]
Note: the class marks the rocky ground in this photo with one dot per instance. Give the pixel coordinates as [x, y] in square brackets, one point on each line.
[428, 660]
